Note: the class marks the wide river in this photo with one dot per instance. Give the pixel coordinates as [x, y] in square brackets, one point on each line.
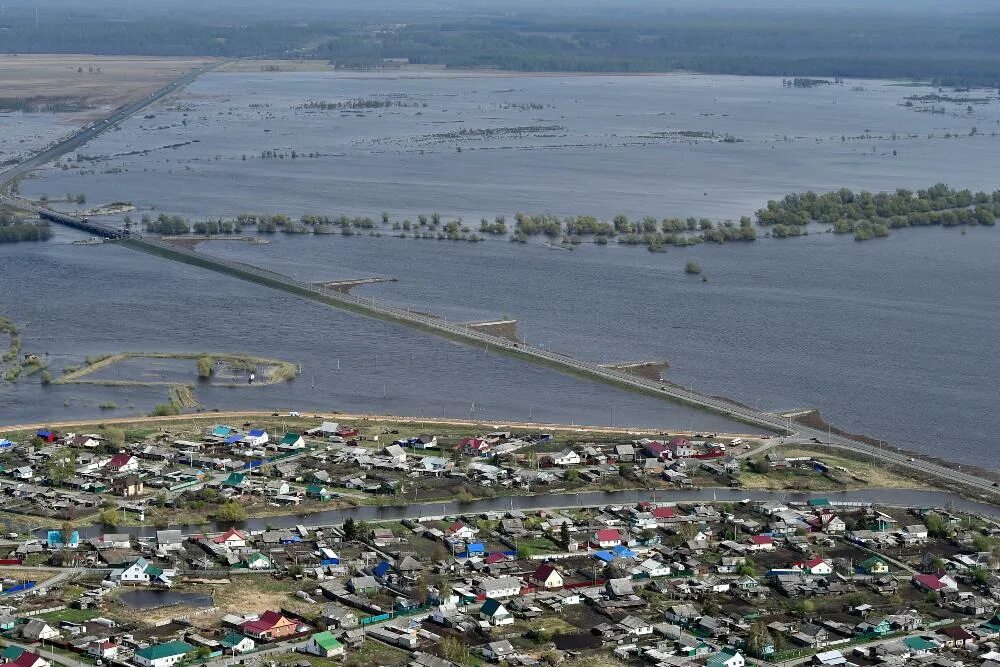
[894, 338]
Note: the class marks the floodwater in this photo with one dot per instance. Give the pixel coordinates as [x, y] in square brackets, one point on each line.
[154, 599]
[892, 338]
[77, 301]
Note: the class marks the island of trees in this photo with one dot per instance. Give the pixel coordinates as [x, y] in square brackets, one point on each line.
[868, 215]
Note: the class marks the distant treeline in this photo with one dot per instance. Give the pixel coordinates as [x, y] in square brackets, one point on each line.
[868, 215]
[950, 48]
[953, 50]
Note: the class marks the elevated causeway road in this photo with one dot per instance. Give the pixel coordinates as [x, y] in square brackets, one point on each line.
[371, 308]
[91, 130]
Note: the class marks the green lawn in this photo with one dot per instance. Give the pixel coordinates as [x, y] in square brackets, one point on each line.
[71, 615]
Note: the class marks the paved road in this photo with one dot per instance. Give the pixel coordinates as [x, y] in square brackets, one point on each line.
[91, 130]
[765, 420]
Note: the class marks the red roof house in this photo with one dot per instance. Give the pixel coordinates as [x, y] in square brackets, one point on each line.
[271, 625]
[607, 537]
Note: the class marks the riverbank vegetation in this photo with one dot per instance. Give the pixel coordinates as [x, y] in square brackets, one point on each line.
[15, 228]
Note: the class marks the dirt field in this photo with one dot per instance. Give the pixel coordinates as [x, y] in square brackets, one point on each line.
[89, 81]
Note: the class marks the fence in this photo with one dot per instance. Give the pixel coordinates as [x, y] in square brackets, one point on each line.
[19, 588]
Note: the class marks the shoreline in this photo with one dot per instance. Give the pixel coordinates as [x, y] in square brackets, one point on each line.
[814, 419]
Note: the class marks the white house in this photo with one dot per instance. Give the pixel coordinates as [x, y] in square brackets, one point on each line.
[727, 658]
[607, 537]
[636, 626]
[815, 566]
[500, 587]
[547, 576]
[37, 630]
[566, 457]
[123, 463]
[232, 538]
[494, 613]
[257, 437]
[462, 531]
[654, 568]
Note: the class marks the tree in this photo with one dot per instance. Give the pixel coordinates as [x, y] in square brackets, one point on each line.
[61, 468]
[66, 531]
[108, 517]
[564, 535]
[231, 512]
[114, 435]
[759, 639]
[451, 648]
[205, 367]
[350, 529]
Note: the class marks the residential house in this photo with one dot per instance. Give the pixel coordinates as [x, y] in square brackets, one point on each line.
[235, 643]
[499, 587]
[547, 576]
[163, 655]
[461, 531]
[366, 585]
[37, 630]
[257, 437]
[271, 626]
[874, 566]
[324, 645]
[607, 537]
[232, 538]
[567, 457]
[495, 613]
[395, 453]
[635, 626]
[955, 636]
[814, 566]
[939, 582]
[291, 441]
[120, 463]
[728, 657]
[498, 651]
[761, 543]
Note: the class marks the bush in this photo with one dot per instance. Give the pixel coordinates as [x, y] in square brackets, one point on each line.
[692, 268]
[231, 512]
[165, 410]
[205, 367]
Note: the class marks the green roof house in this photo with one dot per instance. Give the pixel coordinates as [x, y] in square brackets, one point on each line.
[236, 480]
[163, 655]
[292, 441]
[324, 645]
[729, 657]
[317, 492]
[920, 645]
[874, 565]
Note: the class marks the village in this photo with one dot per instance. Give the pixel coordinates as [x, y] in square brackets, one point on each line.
[276, 564]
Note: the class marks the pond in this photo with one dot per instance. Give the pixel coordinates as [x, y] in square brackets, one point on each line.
[154, 599]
